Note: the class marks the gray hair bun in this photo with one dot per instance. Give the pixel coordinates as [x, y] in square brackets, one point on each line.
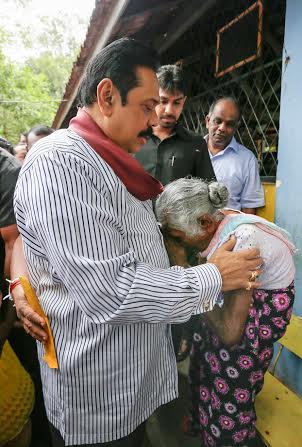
[218, 195]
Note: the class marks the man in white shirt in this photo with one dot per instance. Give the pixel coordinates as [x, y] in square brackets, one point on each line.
[96, 258]
[234, 165]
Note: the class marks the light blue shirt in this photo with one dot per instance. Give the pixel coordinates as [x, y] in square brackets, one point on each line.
[237, 168]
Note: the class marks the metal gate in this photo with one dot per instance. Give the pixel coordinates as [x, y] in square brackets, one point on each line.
[256, 85]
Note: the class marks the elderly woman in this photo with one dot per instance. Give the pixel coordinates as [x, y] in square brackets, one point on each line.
[233, 344]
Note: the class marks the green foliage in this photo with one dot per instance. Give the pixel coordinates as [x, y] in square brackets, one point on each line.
[56, 69]
[25, 99]
[31, 88]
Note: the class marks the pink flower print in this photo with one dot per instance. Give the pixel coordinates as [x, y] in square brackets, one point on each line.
[241, 395]
[215, 401]
[289, 313]
[279, 322]
[266, 310]
[215, 430]
[265, 332]
[210, 411]
[215, 341]
[245, 362]
[214, 363]
[224, 355]
[196, 337]
[203, 417]
[244, 418]
[252, 433]
[280, 301]
[255, 376]
[240, 435]
[232, 372]
[266, 354]
[230, 408]
[204, 393]
[226, 422]
[221, 385]
[260, 295]
[252, 312]
[250, 330]
[209, 440]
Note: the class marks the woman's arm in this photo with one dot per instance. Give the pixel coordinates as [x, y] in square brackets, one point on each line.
[228, 321]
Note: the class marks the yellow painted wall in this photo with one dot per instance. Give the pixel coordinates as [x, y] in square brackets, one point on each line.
[268, 211]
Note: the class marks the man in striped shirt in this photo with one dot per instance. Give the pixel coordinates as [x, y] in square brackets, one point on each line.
[96, 258]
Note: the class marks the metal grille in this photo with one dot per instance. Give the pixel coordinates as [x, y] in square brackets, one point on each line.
[256, 85]
[258, 92]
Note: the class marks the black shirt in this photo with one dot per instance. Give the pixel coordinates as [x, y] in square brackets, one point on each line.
[9, 171]
[183, 153]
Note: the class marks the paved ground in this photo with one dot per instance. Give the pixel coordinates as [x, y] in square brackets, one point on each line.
[164, 427]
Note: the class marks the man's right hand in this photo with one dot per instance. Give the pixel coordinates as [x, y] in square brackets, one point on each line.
[236, 268]
[32, 323]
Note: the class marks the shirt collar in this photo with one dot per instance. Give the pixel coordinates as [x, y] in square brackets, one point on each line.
[233, 145]
[178, 130]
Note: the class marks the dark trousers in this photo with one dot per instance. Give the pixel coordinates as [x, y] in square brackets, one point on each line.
[135, 439]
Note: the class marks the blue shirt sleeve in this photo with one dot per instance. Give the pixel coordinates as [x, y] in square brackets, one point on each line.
[252, 195]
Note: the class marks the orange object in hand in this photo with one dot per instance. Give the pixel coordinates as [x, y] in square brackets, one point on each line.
[50, 356]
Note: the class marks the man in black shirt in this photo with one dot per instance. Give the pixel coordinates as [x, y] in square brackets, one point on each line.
[9, 171]
[173, 151]
[23, 345]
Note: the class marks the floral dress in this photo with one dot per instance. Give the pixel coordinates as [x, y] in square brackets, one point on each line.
[225, 380]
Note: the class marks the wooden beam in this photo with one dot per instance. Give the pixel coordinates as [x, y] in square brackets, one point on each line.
[187, 18]
[168, 4]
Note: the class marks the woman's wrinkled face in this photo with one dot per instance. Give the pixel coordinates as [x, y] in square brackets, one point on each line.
[199, 242]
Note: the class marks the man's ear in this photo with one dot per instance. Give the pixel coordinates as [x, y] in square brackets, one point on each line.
[104, 94]
[207, 120]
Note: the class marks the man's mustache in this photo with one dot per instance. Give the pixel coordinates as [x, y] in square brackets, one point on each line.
[146, 133]
[168, 117]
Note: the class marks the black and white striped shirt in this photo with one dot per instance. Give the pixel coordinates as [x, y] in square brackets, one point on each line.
[96, 257]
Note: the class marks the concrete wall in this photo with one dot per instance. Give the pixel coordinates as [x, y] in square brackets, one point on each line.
[289, 173]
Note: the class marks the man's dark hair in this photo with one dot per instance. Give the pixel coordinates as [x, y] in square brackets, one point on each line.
[171, 79]
[118, 62]
[226, 98]
[41, 130]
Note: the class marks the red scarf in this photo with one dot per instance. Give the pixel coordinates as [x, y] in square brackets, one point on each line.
[137, 181]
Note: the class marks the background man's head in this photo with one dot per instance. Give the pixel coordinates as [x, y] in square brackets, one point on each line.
[120, 91]
[172, 95]
[36, 133]
[4, 144]
[188, 211]
[20, 149]
[23, 138]
[222, 122]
